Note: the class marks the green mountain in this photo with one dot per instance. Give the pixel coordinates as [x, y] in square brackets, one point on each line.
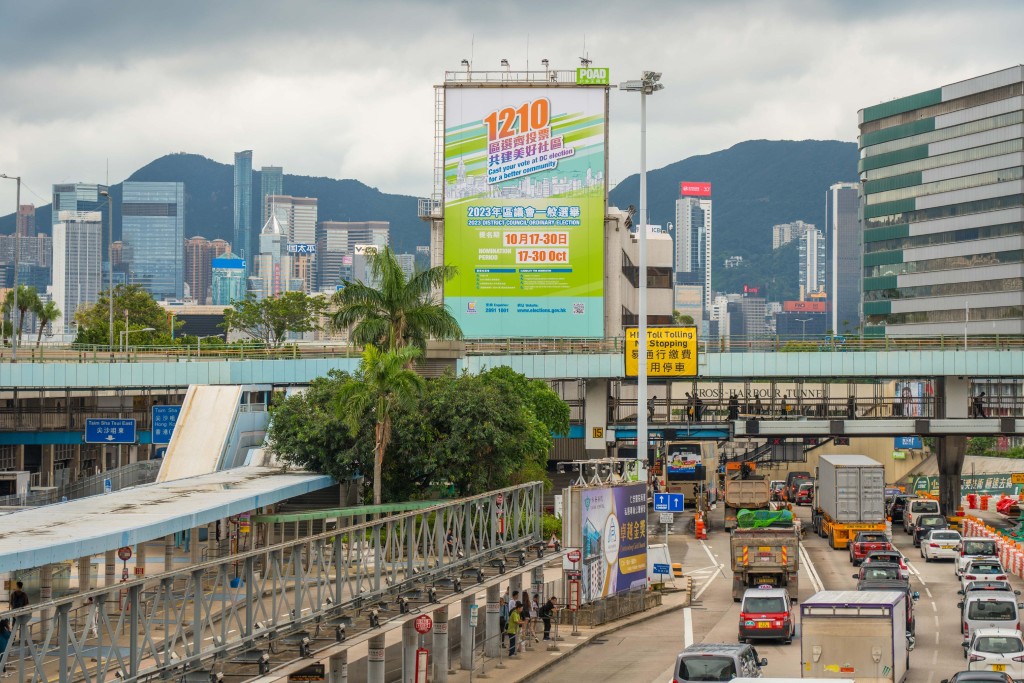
[755, 185]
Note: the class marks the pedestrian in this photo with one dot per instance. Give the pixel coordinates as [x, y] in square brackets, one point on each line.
[650, 408]
[514, 602]
[546, 612]
[734, 407]
[5, 639]
[502, 617]
[534, 615]
[525, 620]
[514, 617]
[19, 598]
[449, 542]
[979, 409]
[92, 618]
[690, 408]
[698, 409]
[757, 406]
[785, 407]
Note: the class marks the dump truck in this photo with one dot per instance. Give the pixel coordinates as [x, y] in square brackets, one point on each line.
[855, 634]
[850, 498]
[764, 556]
[745, 494]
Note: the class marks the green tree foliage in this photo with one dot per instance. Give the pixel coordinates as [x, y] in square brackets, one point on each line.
[399, 311]
[270, 320]
[142, 312]
[28, 300]
[474, 432]
[45, 314]
[681, 318]
[981, 445]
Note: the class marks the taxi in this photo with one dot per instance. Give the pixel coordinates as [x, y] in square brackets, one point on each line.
[766, 612]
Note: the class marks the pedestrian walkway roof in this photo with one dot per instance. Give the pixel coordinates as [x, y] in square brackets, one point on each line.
[90, 526]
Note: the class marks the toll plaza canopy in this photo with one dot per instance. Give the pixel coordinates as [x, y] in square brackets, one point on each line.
[94, 525]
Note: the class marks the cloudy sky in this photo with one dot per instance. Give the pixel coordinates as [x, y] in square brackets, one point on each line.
[344, 89]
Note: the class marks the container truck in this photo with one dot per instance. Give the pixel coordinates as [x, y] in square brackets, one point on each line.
[855, 634]
[850, 498]
[745, 494]
[767, 556]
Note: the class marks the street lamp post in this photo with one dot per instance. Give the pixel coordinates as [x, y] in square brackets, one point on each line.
[803, 329]
[17, 259]
[110, 267]
[123, 335]
[199, 343]
[647, 85]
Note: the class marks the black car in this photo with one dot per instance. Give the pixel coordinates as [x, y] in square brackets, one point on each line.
[895, 509]
[925, 524]
[978, 677]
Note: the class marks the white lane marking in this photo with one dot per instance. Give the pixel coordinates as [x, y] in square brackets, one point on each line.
[936, 638]
[687, 627]
[711, 578]
[936, 621]
[934, 608]
[816, 582]
[928, 592]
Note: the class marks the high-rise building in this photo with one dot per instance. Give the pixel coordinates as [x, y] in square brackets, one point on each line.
[842, 229]
[336, 245]
[297, 217]
[153, 233]
[228, 283]
[199, 254]
[77, 263]
[812, 263]
[81, 197]
[784, 233]
[942, 174]
[243, 233]
[273, 269]
[271, 182]
[407, 262]
[693, 245]
[26, 221]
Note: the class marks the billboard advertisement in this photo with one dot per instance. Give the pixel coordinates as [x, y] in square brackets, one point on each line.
[694, 189]
[912, 398]
[805, 306]
[524, 197]
[614, 539]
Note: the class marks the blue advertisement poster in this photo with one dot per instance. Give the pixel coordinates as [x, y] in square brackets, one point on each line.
[614, 540]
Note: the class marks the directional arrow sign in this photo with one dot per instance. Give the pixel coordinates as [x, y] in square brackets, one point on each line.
[109, 430]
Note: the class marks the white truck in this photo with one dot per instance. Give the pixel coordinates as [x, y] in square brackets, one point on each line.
[855, 634]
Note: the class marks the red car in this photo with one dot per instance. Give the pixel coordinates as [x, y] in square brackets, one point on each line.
[805, 494]
[865, 542]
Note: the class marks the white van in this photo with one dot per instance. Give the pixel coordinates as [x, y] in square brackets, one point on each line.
[918, 506]
[989, 609]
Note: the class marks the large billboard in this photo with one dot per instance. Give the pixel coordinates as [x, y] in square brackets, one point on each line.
[614, 539]
[524, 197]
[687, 189]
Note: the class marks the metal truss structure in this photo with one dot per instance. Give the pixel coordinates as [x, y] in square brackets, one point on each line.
[237, 615]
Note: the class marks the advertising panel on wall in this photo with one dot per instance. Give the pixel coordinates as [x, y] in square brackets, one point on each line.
[524, 207]
[613, 539]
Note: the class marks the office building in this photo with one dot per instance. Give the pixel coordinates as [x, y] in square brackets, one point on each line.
[843, 231]
[812, 263]
[802, 320]
[228, 279]
[942, 173]
[26, 220]
[297, 219]
[693, 245]
[199, 254]
[243, 233]
[271, 183]
[784, 233]
[336, 245]
[153, 236]
[81, 197]
[423, 257]
[77, 264]
[407, 262]
[273, 265]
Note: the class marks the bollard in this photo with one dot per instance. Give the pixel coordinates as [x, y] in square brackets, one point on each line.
[339, 667]
[375, 660]
[440, 645]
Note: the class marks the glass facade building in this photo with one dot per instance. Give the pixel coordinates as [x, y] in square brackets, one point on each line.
[77, 264]
[153, 237]
[693, 245]
[942, 173]
[271, 182]
[228, 280]
[336, 246]
[842, 228]
[243, 231]
[812, 262]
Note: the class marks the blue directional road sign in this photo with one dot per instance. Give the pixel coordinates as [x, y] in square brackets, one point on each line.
[660, 568]
[164, 420]
[112, 430]
[668, 502]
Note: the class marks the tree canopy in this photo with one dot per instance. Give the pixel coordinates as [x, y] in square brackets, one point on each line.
[472, 432]
[270, 320]
[142, 311]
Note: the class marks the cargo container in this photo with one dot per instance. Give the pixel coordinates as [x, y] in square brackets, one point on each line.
[855, 634]
[745, 494]
[850, 498]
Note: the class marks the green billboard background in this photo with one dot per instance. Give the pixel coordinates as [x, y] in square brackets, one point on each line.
[524, 210]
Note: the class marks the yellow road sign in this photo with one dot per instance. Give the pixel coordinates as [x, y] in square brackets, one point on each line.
[598, 432]
[1017, 478]
[671, 351]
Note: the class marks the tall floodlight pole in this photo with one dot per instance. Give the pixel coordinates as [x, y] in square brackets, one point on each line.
[647, 85]
[110, 269]
[17, 259]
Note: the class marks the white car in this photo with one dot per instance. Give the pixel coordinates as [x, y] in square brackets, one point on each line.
[940, 544]
[973, 547]
[996, 649]
[982, 569]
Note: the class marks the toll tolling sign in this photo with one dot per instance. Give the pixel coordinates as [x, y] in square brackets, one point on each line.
[671, 351]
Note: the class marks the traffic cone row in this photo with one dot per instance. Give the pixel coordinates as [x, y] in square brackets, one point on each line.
[702, 533]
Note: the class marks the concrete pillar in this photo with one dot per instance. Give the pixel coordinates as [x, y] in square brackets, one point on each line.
[76, 462]
[537, 584]
[339, 667]
[46, 592]
[410, 641]
[440, 645]
[168, 552]
[375, 660]
[950, 456]
[109, 567]
[515, 583]
[466, 633]
[955, 394]
[595, 416]
[84, 574]
[140, 557]
[492, 624]
[46, 468]
[211, 540]
[193, 545]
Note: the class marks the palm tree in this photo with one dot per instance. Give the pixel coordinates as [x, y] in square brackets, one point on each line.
[28, 300]
[399, 311]
[46, 313]
[383, 385]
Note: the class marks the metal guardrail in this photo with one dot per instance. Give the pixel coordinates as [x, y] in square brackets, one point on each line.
[134, 474]
[242, 609]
